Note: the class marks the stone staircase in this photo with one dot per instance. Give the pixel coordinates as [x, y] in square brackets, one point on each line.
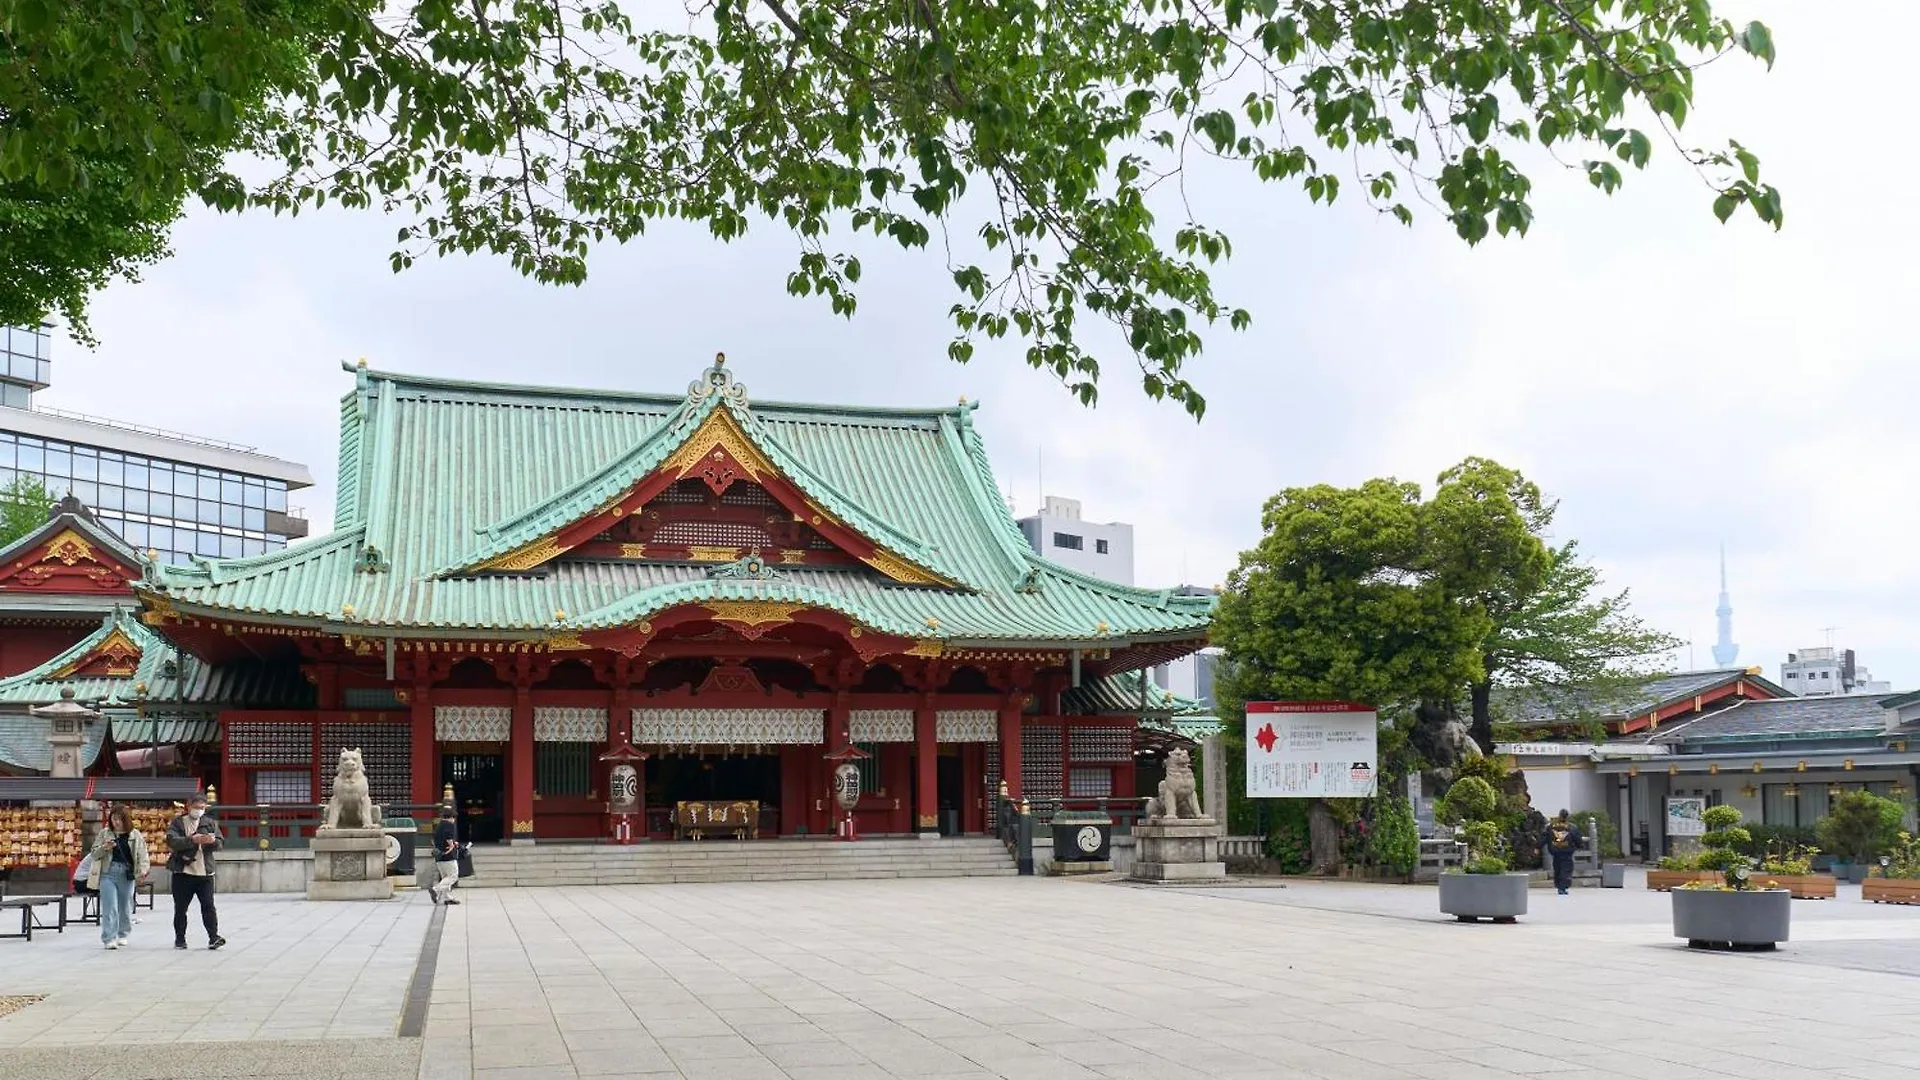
[662, 863]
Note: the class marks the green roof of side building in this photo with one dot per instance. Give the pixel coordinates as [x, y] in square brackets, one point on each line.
[440, 481]
[179, 695]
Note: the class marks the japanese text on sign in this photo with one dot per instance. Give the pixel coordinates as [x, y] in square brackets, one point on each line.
[1311, 750]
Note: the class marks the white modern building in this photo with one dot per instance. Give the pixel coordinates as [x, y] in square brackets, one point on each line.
[1099, 550]
[1824, 671]
[177, 495]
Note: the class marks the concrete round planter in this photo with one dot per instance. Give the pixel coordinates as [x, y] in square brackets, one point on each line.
[1500, 897]
[1750, 919]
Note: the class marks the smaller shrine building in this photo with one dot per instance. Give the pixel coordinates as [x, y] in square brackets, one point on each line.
[523, 579]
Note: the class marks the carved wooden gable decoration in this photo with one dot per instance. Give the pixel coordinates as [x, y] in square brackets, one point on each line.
[693, 522]
[719, 496]
[117, 656]
[68, 562]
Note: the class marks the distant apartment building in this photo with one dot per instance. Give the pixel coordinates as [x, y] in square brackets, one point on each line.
[1058, 533]
[1823, 671]
[178, 495]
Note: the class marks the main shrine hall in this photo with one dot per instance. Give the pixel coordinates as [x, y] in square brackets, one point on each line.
[523, 580]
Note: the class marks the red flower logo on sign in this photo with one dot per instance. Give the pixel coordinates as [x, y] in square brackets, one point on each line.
[1266, 738]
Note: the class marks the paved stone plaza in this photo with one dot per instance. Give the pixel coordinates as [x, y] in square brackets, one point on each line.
[1007, 978]
[292, 974]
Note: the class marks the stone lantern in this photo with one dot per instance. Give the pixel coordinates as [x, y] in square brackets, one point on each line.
[68, 734]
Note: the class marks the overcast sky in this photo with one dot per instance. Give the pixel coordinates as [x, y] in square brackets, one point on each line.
[1677, 384]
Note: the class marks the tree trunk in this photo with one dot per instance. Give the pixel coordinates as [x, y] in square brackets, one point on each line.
[1323, 835]
[1482, 729]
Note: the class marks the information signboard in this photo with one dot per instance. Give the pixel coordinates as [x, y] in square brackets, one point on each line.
[1683, 816]
[1311, 750]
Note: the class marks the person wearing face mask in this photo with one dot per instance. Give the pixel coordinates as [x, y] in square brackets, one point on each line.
[192, 838]
[120, 863]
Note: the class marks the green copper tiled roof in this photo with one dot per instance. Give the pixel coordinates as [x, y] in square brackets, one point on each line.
[438, 476]
[240, 683]
[1119, 695]
[24, 746]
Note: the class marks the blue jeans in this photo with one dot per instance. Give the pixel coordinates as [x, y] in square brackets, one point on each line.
[116, 903]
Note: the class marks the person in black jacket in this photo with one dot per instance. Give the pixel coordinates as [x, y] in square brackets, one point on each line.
[192, 838]
[446, 856]
[1561, 841]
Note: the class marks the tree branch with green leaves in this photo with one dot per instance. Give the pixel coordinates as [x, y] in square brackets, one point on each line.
[1035, 137]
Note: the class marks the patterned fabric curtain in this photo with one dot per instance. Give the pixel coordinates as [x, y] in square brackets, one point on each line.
[966, 725]
[729, 727]
[472, 723]
[569, 724]
[880, 725]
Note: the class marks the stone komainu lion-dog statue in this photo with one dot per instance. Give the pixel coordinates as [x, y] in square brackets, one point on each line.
[1179, 795]
[351, 806]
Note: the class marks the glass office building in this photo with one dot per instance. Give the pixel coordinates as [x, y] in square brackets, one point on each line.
[25, 365]
[177, 495]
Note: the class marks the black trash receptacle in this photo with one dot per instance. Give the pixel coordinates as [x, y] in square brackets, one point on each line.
[401, 834]
[949, 822]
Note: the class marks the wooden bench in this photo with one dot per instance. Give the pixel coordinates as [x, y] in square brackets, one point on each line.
[30, 918]
[90, 902]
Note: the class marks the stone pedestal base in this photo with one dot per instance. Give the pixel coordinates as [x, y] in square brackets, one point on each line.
[349, 864]
[1073, 868]
[1183, 850]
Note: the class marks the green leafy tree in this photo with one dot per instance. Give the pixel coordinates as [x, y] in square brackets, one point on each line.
[1033, 141]
[25, 504]
[1340, 600]
[113, 114]
[1861, 826]
[1552, 627]
[1372, 594]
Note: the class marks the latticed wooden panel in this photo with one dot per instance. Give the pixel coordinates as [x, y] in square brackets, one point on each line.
[712, 534]
[1111, 745]
[1090, 782]
[741, 493]
[283, 786]
[251, 743]
[993, 786]
[385, 749]
[1040, 761]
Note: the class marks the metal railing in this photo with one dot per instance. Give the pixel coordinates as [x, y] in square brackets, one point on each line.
[145, 429]
[290, 826]
[1125, 812]
[1013, 823]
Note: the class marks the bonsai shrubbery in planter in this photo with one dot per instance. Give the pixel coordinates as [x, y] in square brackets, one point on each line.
[1481, 888]
[1898, 879]
[1858, 830]
[1733, 914]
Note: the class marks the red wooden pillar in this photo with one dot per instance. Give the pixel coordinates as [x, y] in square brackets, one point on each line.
[520, 765]
[896, 777]
[620, 733]
[825, 810]
[926, 760]
[426, 757]
[1010, 745]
